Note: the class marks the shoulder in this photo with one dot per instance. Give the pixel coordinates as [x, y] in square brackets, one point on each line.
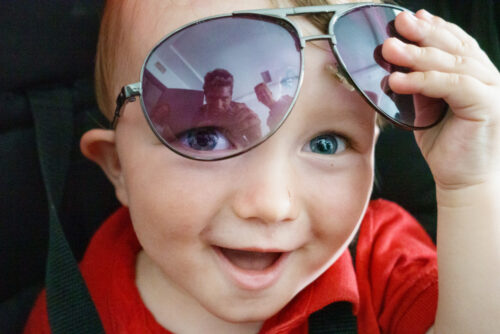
[381, 208]
[387, 220]
[240, 106]
[389, 237]
[241, 110]
[396, 267]
[108, 270]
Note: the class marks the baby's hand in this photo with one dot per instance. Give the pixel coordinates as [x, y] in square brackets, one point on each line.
[464, 149]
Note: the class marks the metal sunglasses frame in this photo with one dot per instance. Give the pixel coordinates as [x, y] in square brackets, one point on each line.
[129, 92]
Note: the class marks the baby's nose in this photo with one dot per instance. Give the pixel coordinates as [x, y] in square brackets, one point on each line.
[266, 194]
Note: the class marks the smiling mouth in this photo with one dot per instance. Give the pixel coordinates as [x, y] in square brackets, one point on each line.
[252, 270]
[249, 260]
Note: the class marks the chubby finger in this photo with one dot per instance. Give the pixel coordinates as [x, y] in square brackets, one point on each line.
[438, 33]
[467, 96]
[425, 33]
[431, 58]
[451, 27]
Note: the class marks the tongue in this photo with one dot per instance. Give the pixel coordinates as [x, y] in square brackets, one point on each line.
[250, 260]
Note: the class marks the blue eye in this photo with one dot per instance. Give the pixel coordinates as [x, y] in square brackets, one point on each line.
[327, 144]
[204, 139]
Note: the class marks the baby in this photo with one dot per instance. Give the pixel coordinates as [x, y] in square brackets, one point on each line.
[249, 235]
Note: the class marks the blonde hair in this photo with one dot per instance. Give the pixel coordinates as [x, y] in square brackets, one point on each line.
[110, 56]
[110, 33]
[109, 59]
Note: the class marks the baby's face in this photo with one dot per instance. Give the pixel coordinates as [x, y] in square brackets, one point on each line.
[241, 237]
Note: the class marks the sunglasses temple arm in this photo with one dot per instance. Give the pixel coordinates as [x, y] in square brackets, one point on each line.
[127, 94]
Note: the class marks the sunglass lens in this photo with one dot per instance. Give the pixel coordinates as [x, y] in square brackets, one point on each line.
[360, 34]
[217, 88]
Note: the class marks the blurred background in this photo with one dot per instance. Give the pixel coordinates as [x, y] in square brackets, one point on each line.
[46, 63]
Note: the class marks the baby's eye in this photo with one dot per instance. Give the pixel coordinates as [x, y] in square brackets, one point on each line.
[204, 139]
[326, 144]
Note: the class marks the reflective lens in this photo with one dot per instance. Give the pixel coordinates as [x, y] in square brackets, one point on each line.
[360, 34]
[219, 87]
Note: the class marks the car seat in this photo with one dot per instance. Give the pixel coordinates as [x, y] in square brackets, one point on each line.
[47, 63]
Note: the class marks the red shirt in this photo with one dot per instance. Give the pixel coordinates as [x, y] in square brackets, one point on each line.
[393, 288]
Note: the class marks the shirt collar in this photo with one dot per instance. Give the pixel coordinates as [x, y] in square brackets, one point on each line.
[337, 283]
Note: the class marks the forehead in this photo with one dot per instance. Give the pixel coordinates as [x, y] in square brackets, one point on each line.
[147, 22]
[218, 91]
[153, 19]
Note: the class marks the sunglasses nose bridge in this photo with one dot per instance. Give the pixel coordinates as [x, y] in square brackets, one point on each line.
[319, 37]
[311, 38]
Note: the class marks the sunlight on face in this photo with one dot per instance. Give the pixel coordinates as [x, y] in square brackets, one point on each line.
[239, 238]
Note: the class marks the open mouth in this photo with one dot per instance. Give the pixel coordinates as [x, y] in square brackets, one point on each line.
[252, 270]
[249, 260]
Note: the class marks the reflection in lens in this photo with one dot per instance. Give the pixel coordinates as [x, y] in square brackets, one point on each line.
[205, 77]
[360, 34]
[277, 108]
[204, 139]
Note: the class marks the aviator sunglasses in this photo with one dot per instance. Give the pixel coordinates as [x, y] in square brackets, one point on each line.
[217, 87]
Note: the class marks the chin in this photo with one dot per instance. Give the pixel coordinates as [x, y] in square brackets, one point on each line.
[254, 312]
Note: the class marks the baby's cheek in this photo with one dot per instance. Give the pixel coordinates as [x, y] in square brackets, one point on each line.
[340, 206]
[177, 202]
[332, 229]
[169, 214]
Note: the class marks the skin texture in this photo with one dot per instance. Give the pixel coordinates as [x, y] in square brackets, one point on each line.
[279, 196]
[283, 196]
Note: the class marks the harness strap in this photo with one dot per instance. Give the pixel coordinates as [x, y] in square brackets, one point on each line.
[336, 318]
[70, 308]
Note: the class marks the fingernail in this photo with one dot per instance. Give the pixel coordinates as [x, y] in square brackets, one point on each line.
[398, 75]
[412, 17]
[426, 15]
[398, 43]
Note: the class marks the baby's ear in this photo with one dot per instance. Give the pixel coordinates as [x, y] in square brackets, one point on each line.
[99, 146]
